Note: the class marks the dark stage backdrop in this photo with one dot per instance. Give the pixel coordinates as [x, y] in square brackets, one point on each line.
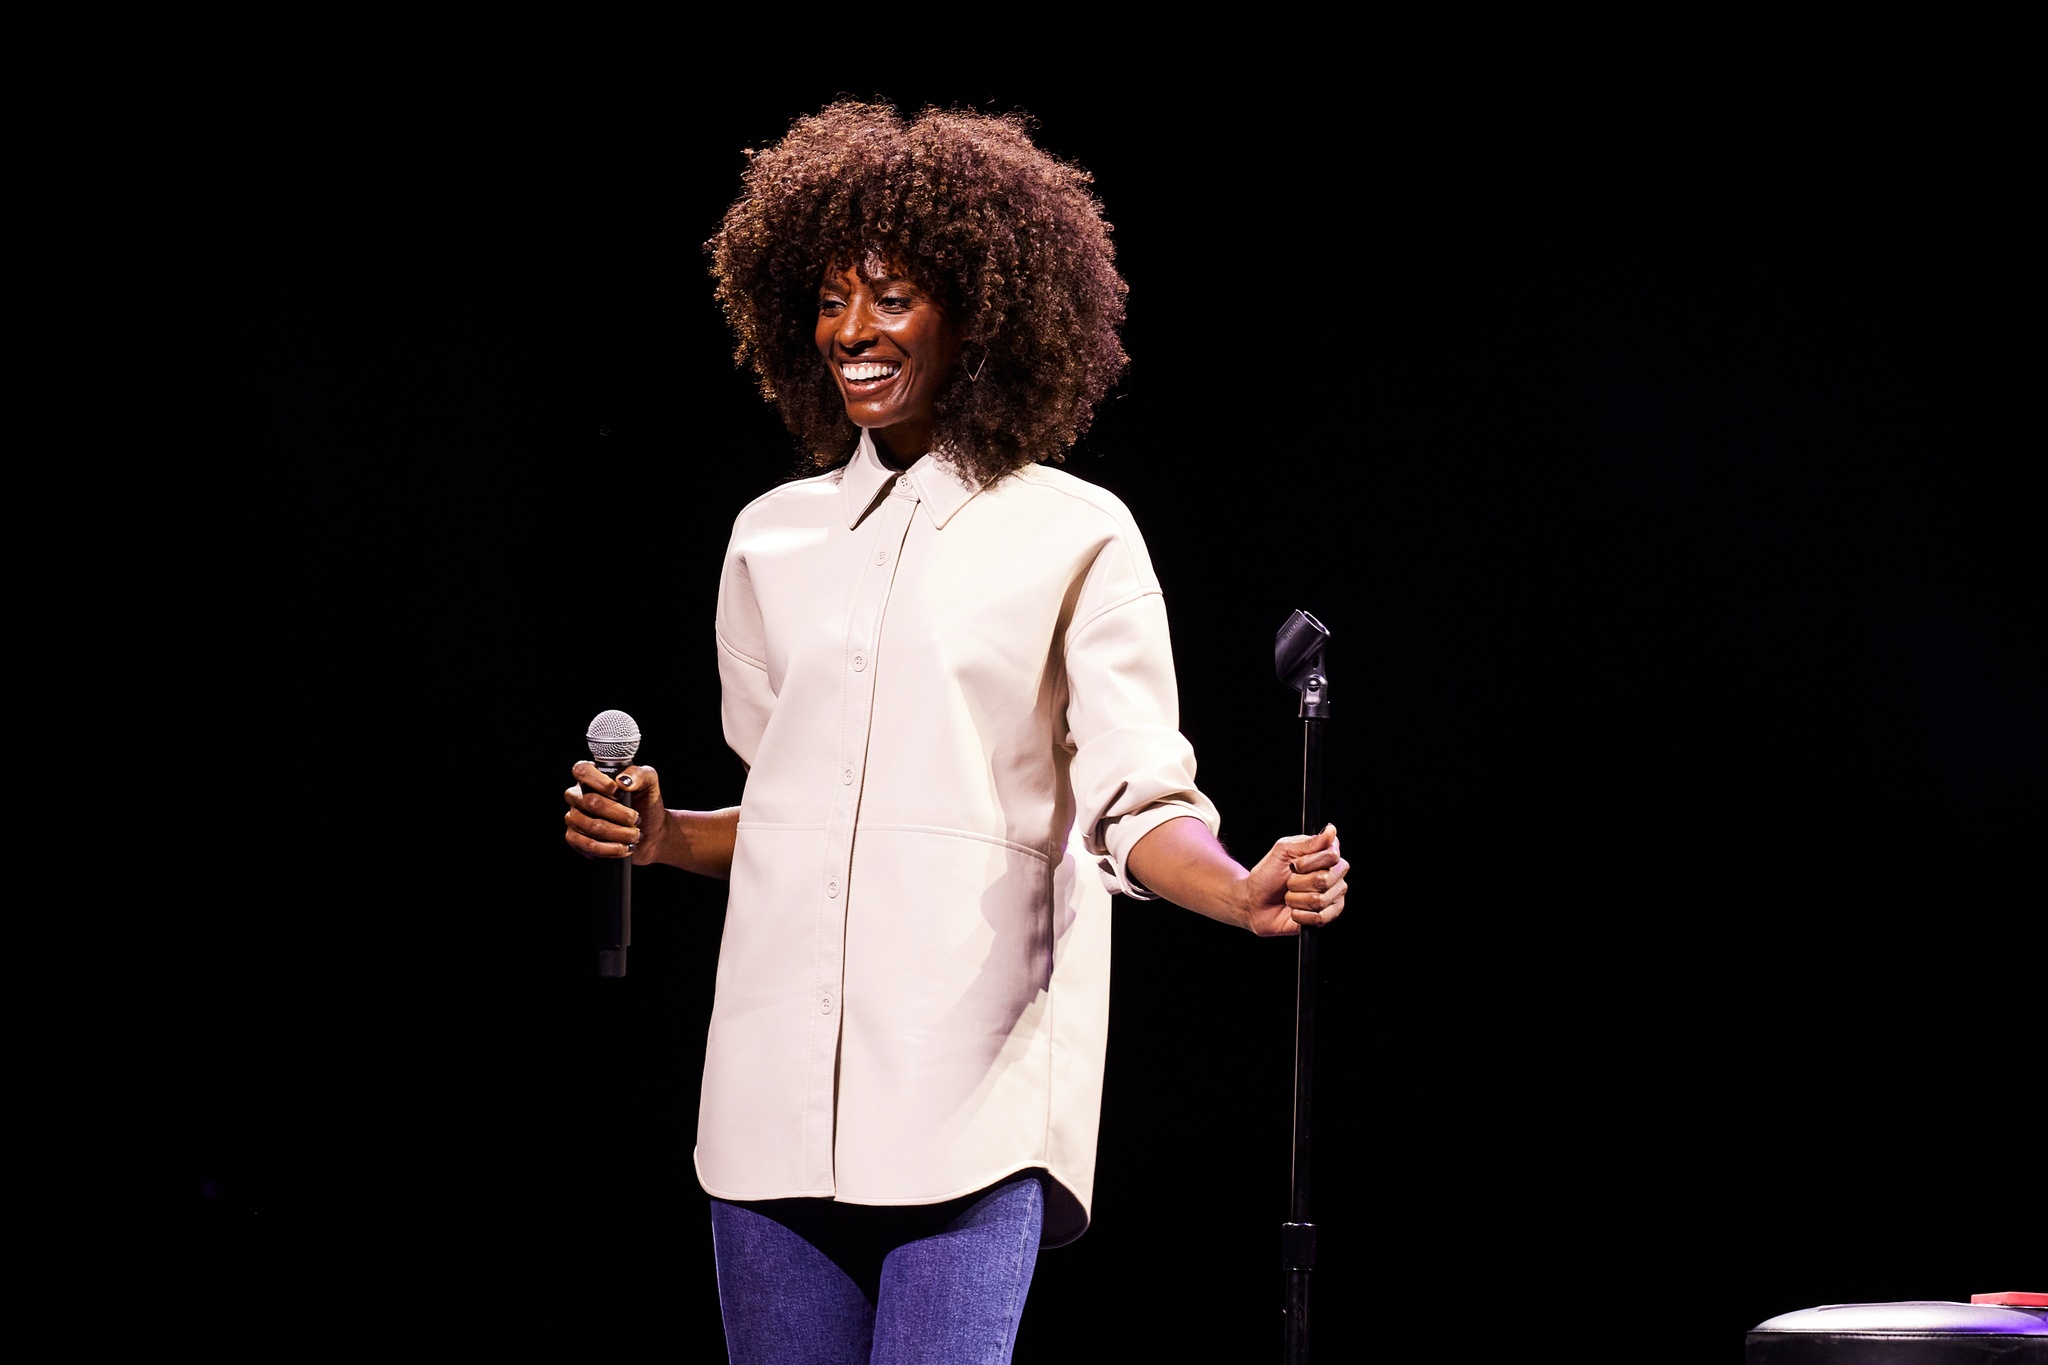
[1654, 448]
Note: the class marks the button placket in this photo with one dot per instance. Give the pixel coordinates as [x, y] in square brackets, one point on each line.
[863, 634]
[878, 565]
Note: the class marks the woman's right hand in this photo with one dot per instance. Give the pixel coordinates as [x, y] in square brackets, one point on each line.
[618, 817]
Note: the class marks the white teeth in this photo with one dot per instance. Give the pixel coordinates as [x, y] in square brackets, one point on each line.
[857, 373]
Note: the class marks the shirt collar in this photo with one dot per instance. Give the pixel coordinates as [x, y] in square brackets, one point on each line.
[938, 487]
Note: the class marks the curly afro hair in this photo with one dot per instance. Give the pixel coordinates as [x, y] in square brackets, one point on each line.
[1006, 237]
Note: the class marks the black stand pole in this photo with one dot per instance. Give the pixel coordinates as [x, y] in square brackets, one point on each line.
[1298, 657]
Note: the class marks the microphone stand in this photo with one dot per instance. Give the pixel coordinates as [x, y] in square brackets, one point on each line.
[1298, 658]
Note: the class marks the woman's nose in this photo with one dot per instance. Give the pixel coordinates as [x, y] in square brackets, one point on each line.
[856, 326]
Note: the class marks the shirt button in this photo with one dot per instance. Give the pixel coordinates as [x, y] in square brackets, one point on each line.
[859, 662]
[824, 1004]
[881, 556]
[847, 777]
[832, 887]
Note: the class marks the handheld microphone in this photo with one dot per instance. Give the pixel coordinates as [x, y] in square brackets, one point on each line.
[613, 740]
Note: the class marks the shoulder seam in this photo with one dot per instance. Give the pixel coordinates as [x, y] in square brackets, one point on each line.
[1085, 500]
[826, 477]
[1118, 605]
[1119, 516]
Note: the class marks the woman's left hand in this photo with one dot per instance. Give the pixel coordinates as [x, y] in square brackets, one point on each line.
[1300, 882]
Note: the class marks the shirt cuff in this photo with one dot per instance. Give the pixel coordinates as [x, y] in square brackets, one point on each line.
[1121, 835]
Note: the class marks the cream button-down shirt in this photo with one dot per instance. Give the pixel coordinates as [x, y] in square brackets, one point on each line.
[958, 713]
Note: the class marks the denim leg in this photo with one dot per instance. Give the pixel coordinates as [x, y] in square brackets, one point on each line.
[784, 1301]
[955, 1298]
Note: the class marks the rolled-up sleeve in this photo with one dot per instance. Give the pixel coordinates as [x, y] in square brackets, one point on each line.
[1132, 769]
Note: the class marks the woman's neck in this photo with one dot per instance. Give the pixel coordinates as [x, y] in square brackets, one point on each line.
[899, 448]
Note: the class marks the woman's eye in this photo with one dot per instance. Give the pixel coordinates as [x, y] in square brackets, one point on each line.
[895, 301]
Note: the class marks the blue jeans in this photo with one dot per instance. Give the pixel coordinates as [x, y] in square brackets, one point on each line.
[813, 1282]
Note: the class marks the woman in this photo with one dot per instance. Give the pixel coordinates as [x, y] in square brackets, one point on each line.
[946, 666]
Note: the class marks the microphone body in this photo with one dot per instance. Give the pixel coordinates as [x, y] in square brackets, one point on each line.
[614, 740]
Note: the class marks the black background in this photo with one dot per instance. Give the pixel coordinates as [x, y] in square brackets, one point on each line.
[1654, 432]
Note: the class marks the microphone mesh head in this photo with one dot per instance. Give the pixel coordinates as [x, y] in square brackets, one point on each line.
[614, 738]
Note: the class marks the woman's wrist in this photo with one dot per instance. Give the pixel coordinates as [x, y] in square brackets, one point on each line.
[651, 846]
[699, 841]
[1181, 861]
[1242, 903]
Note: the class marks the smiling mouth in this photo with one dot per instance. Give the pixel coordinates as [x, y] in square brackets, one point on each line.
[868, 373]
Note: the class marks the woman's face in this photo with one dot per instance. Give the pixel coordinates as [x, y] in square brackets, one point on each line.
[890, 349]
